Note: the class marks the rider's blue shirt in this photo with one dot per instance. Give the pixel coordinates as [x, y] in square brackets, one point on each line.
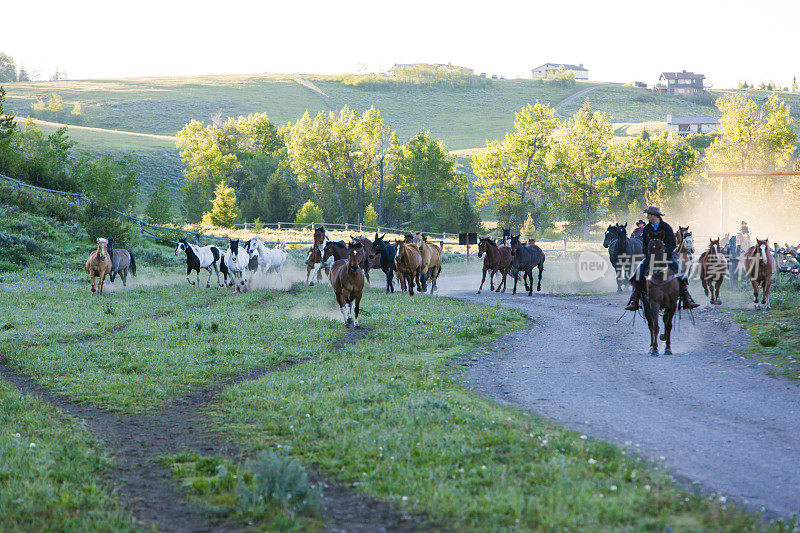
[655, 226]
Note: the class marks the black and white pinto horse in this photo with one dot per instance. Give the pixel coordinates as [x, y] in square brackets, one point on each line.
[386, 250]
[237, 260]
[122, 261]
[268, 260]
[326, 264]
[623, 252]
[197, 257]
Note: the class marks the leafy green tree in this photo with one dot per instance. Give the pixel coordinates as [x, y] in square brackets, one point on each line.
[55, 104]
[468, 218]
[110, 180]
[370, 216]
[309, 213]
[223, 212]
[8, 128]
[578, 162]
[159, 207]
[513, 172]
[8, 70]
[794, 83]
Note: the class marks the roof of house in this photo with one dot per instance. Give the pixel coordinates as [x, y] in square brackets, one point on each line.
[692, 120]
[566, 66]
[682, 76]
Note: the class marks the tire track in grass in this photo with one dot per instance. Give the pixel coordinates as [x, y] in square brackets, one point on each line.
[138, 442]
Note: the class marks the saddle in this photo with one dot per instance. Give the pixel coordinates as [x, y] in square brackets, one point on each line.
[660, 280]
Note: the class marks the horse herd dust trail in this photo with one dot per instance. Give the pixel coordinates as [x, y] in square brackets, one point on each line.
[712, 417]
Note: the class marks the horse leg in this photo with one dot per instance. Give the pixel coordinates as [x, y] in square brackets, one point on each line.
[421, 286]
[514, 289]
[755, 293]
[491, 279]
[668, 315]
[652, 322]
[341, 302]
[767, 291]
[434, 288]
[484, 279]
[101, 282]
[539, 282]
[718, 285]
[188, 273]
[208, 281]
[503, 282]
[93, 289]
[124, 276]
[358, 304]
[529, 273]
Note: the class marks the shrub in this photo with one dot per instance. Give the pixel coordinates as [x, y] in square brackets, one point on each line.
[104, 223]
[154, 257]
[8, 266]
[271, 479]
[769, 338]
[44, 204]
[309, 213]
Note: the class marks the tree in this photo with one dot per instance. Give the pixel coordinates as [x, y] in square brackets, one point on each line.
[58, 75]
[23, 74]
[370, 216]
[468, 218]
[55, 104]
[794, 83]
[111, 181]
[7, 125]
[8, 70]
[159, 208]
[578, 162]
[223, 212]
[513, 172]
[309, 213]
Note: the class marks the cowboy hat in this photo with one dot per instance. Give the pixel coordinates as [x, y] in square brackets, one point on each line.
[642, 222]
[653, 210]
[744, 223]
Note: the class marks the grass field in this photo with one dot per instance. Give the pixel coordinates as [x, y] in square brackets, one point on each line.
[383, 411]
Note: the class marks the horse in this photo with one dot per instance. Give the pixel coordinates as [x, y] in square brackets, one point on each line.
[497, 258]
[431, 261]
[680, 233]
[269, 260]
[662, 291]
[336, 250]
[313, 257]
[760, 265]
[622, 252]
[408, 263]
[198, 257]
[685, 250]
[369, 262]
[347, 281]
[384, 252]
[712, 271]
[237, 260]
[121, 261]
[320, 242]
[525, 258]
[99, 264]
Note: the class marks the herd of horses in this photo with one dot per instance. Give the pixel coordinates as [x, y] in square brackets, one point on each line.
[662, 289]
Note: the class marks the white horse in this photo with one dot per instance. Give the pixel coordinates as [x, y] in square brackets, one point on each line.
[198, 257]
[237, 259]
[269, 260]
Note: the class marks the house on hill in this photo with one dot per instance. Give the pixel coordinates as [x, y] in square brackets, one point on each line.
[683, 83]
[542, 72]
[687, 125]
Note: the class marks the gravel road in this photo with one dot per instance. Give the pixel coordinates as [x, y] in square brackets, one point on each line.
[712, 417]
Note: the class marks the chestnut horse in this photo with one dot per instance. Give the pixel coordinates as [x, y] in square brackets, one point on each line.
[662, 291]
[347, 280]
[685, 250]
[431, 261]
[497, 258]
[713, 267]
[99, 264]
[408, 263]
[760, 265]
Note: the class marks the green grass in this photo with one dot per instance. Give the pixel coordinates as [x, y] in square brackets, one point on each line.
[775, 334]
[52, 471]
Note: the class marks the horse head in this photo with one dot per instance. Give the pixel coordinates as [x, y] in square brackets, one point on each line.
[483, 245]
[378, 246]
[681, 233]
[688, 242]
[408, 238]
[319, 236]
[655, 247]
[355, 256]
[713, 247]
[610, 232]
[762, 249]
[515, 243]
[101, 248]
[328, 251]
[233, 246]
[182, 246]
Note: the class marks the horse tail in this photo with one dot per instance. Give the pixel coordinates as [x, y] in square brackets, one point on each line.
[132, 266]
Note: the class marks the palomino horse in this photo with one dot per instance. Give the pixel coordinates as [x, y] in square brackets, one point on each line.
[662, 291]
[497, 258]
[685, 250]
[347, 280]
[623, 252]
[121, 261]
[431, 261]
[408, 263]
[760, 265]
[526, 257]
[384, 252]
[99, 264]
[198, 257]
[713, 268]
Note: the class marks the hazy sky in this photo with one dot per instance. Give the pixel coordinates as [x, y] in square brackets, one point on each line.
[617, 40]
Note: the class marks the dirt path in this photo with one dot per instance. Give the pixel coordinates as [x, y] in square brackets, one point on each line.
[137, 442]
[316, 90]
[21, 121]
[712, 417]
[576, 96]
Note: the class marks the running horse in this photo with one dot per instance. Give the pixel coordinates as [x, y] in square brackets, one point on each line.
[525, 259]
[99, 264]
[713, 268]
[431, 260]
[121, 262]
[383, 253]
[623, 252]
[408, 262]
[498, 258]
[760, 265]
[661, 295]
[347, 281]
[685, 249]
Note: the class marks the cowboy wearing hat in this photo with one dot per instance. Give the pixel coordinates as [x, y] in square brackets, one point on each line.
[744, 229]
[637, 233]
[655, 223]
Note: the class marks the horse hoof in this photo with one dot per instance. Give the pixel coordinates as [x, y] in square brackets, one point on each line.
[654, 353]
[475, 293]
[662, 337]
[311, 284]
[667, 352]
[208, 285]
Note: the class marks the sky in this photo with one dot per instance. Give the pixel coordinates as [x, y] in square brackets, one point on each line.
[619, 41]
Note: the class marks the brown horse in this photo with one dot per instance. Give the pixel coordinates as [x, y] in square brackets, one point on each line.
[685, 250]
[760, 265]
[99, 264]
[497, 258]
[713, 267]
[347, 280]
[368, 263]
[680, 233]
[313, 257]
[431, 261]
[408, 263]
[662, 292]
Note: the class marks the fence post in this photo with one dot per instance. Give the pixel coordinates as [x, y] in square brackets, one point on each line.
[565, 247]
[197, 239]
[360, 226]
[345, 226]
[312, 227]
[279, 226]
[467, 250]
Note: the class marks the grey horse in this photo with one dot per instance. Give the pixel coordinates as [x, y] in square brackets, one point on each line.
[121, 262]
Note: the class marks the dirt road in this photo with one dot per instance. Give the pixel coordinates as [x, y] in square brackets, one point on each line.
[712, 417]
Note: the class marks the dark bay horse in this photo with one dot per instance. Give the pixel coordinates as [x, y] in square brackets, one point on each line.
[347, 280]
[713, 268]
[498, 258]
[623, 252]
[384, 252]
[661, 294]
[367, 249]
[121, 261]
[525, 258]
[759, 264]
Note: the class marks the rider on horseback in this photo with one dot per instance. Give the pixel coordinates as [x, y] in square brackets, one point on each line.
[639, 231]
[657, 224]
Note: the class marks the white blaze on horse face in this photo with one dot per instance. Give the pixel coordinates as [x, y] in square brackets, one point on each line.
[764, 253]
